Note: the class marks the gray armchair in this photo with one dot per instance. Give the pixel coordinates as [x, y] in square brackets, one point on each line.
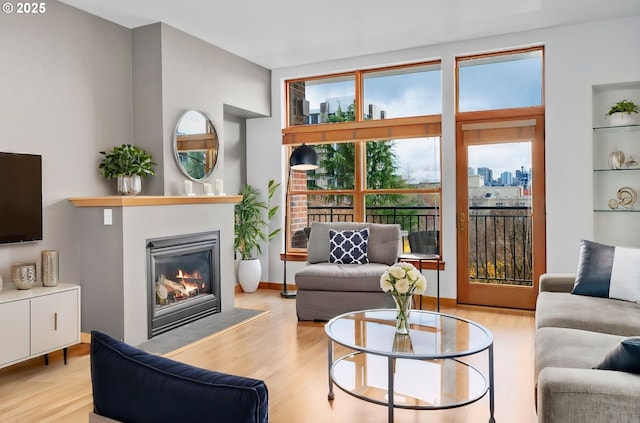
[326, 289]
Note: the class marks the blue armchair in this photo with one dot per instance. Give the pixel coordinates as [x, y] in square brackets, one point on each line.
[133, 386]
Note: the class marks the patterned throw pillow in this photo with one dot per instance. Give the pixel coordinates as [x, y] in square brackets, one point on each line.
[348, 247]
[607, 271]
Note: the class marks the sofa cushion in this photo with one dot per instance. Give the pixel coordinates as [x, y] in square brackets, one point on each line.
[624, 358]
[562, 309]
[384, 241]
[348, 246]
[571, 348]
[608, 271]
[131, 385]
[340, 277]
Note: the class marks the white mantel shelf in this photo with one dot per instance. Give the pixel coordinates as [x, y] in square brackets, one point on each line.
[152, 200]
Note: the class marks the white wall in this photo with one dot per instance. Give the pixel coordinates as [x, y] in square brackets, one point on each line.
[576, 57]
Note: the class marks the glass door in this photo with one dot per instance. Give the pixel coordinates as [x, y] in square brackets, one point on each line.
[500, 211]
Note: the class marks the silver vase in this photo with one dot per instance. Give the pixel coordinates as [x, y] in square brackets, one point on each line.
[49, 267]
[129, 184]
[23, 275]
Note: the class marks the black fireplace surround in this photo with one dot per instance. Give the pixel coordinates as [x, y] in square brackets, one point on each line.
[183, 275]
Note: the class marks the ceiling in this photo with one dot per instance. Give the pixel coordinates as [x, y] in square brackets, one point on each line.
[281, 33]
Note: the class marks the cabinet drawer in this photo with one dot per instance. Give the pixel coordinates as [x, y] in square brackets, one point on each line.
[54, 321]
[14, 331]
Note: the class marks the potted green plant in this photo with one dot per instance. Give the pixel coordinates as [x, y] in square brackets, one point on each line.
[623, 113]
[250, 228]
[128, 164]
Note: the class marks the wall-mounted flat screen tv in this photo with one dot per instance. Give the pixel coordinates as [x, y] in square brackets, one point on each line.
[20, 197]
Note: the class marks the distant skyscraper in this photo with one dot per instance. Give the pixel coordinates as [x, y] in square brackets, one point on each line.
[506, 178]
[487, 174]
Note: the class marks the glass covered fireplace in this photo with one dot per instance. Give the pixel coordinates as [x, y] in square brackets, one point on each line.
[183, 279]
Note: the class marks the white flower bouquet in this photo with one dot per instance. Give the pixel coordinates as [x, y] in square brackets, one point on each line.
[402, 280]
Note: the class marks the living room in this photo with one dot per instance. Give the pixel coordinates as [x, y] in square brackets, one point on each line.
[75, 84]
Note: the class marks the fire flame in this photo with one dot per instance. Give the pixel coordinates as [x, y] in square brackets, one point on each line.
[184, 275]
[190, 286]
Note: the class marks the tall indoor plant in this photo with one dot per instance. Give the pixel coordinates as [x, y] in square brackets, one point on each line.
[128, 164]
[250, 228]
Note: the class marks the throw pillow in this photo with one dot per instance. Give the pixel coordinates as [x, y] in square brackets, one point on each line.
[349, 246]
[608, 272]
[624, 358]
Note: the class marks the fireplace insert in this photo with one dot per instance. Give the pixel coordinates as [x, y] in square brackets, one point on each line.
[183, 279]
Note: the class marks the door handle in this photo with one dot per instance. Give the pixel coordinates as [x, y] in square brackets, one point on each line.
[55, 321]
[462, 220]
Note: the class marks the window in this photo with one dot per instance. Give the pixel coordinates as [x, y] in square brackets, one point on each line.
[377, 135]
[400, 184]
[321, 100]
[500, 80]
[402, 92]
[396, 92]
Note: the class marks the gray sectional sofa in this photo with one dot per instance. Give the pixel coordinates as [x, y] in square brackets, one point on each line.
[325, 290]
[574, 333]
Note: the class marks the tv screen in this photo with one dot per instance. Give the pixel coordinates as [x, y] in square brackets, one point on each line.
[20, 197]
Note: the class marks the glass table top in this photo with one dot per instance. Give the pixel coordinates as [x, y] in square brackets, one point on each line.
[432, 335]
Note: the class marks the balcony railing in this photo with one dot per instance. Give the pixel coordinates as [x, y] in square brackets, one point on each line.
[411, 219]
[499, 237]
[500, 245]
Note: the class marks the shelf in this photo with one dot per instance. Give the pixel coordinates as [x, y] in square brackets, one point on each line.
[614, 226]
[615, 211]
[621, 128]
[149, 200]
[634, 169]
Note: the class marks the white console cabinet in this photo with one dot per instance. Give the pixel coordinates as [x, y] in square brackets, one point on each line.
[37, 321]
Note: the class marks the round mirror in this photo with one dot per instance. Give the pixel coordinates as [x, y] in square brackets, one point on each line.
[196, 145]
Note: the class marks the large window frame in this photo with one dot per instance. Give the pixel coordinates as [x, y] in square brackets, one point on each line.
[359, 131]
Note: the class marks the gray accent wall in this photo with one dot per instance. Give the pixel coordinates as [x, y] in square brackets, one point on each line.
[146, 53]
[101, 271]
[73, 84]
[195, 74]
[65, 93]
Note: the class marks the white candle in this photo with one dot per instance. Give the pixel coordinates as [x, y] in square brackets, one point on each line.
[188, 187]
[219, 190]
[206, 188]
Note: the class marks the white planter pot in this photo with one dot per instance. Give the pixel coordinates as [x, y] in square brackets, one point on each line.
[621, 119]
[249, 272]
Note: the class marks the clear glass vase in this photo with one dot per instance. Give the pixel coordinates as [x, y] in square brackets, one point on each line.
[403, 309]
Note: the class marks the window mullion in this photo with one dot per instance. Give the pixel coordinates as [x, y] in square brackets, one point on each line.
[360, 181]
[359, 110]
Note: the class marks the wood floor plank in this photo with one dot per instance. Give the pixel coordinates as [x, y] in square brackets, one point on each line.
[291, 357]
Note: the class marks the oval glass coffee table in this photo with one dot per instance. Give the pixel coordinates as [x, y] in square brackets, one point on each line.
[423, 370]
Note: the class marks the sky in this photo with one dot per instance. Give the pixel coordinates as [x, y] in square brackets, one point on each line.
[483, 86]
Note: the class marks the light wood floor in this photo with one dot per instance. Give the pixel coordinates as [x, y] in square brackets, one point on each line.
[291, 357]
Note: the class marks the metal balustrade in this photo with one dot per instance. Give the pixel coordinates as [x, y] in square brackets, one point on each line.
[499, 237]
